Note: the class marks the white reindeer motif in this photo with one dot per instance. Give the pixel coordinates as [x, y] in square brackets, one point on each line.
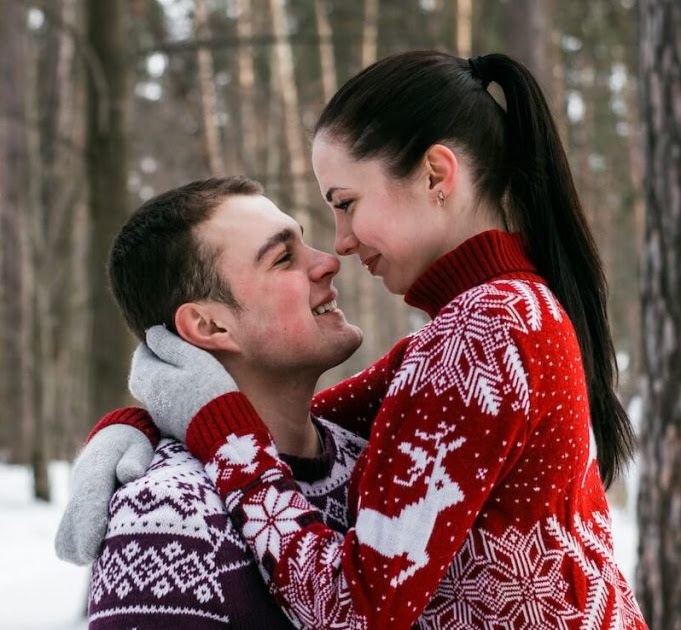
[408, 532]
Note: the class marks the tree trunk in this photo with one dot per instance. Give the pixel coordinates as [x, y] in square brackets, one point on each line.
[41, 80]
[55, 183]
[79, 316]
[65, 418]
[370, 32]
[464, 28]
[327, 60]
[582, 145]
[293, 128]
[659, 508]
[530, 37]
[16, 323]
[247, 111]
[209, 100]
[108, 197]
[555, 87]
[629, 387]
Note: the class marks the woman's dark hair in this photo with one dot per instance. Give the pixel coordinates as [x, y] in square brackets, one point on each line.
[157, 262]
[400, 106]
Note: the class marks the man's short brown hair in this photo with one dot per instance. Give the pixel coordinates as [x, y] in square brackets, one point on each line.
[157, 262]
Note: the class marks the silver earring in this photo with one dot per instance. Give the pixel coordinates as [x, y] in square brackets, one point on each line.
[440, 199]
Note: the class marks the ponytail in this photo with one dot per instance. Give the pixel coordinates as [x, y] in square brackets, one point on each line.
[544, 204]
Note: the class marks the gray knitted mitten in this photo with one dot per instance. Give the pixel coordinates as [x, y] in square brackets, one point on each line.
[174, 379]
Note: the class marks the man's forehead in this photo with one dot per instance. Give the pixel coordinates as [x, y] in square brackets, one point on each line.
[247, 222]
[244, 211]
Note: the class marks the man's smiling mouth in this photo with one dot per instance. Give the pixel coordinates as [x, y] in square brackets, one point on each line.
[325, 308]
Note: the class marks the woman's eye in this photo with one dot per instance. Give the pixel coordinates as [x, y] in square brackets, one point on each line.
[343, 205]
[285, 258]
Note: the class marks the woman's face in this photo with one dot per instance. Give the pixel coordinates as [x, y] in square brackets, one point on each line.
[394, 226]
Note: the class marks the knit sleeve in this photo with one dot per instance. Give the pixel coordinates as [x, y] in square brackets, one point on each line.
[354, 402]
[132, 416]
[454, 420]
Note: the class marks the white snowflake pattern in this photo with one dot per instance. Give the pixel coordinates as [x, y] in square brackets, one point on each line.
[271, 517]
[592, 552]
[513, 579]
[469, 347]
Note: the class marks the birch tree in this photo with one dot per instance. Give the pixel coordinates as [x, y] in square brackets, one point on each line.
[464, 28]
[209, 100]
[246, 78]
[326, 56]
[293, 129]
[370, 32]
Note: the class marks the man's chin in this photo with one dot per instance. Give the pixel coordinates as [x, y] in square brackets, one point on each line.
[356, 340]
[352, 340]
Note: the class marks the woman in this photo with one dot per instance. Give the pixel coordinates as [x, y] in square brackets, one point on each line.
[480, 501]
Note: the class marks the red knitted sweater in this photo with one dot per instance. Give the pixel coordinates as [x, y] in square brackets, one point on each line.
[478, 500]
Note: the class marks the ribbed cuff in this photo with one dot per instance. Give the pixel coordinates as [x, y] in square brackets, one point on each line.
[131, 416]
[230, 413]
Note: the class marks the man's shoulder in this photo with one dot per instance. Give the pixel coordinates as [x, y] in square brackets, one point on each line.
[174, 492]
[171, 555]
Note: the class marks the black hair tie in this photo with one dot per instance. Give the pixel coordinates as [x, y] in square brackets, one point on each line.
[477, 65]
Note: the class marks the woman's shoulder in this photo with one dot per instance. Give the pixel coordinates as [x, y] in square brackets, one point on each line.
[487, 337]
[523, 304]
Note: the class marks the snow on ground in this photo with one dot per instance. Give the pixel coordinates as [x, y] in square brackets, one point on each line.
[37, 590]
[40, 592]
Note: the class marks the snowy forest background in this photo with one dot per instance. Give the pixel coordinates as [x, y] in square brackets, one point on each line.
[104, 103]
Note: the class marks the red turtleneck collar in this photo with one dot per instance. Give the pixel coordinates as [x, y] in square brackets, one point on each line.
[483, 257]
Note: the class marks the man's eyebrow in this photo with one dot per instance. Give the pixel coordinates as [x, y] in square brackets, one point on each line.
[284, 236]
[329, 193]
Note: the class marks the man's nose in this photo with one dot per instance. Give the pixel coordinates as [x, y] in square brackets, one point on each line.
[324, 265]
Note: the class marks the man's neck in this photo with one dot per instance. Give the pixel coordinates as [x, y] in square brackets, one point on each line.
[283, 403]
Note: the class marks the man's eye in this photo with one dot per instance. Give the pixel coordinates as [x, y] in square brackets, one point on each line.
[284, 258]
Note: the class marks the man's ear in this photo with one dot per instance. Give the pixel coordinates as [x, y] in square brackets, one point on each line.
[443, 168]
[206, 325]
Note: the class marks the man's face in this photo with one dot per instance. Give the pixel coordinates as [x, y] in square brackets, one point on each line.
[288, 318]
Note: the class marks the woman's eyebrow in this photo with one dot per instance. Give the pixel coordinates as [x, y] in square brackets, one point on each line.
[333, 189]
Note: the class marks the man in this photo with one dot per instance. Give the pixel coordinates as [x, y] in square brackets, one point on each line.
[221, 266]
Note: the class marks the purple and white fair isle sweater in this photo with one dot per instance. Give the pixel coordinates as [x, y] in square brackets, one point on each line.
[172, 558]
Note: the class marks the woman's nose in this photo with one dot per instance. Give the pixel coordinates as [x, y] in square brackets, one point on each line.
[346, 242]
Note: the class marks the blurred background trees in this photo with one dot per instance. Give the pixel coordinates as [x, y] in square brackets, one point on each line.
[104, 104]
[659, 505]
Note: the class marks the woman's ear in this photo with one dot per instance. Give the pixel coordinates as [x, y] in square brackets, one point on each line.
[443, 168]
[206, 325]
